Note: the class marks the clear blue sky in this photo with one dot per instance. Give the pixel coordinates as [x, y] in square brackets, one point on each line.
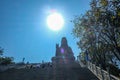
[24, 32]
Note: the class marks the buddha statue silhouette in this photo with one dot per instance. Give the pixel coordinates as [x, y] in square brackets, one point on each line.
[64, 53]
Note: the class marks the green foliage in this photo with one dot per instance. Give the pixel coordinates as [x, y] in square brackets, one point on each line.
[5, 60]
[82, 57]
[98, 31]
[1, 51]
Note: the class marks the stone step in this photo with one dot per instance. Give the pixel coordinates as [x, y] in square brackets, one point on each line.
[64, 73]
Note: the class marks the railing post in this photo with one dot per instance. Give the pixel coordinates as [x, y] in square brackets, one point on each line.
[96, 70]
[101, 72]
[87, 64]
[108, 70]
[92, 67]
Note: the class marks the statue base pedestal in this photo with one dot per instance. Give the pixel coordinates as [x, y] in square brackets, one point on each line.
[63, 61]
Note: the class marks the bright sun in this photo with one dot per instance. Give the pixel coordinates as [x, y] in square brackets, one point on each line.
[55, 21]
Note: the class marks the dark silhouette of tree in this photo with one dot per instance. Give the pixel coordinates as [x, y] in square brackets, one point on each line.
[5, 60]
[1, 51]
[98, 31]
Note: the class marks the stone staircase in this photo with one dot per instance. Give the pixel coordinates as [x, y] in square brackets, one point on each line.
[49, 73]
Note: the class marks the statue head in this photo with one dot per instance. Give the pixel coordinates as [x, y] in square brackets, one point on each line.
[64, 42]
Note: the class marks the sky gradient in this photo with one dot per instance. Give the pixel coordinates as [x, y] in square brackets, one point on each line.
[24, 32]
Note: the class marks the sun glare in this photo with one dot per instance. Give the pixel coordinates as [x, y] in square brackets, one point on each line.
[55, 21]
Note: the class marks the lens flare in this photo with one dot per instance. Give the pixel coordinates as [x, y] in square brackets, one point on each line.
[62, 50]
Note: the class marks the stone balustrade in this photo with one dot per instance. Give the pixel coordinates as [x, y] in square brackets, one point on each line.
[101, 74]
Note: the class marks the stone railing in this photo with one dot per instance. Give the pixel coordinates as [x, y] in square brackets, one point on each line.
[101, 74]
[10, 66]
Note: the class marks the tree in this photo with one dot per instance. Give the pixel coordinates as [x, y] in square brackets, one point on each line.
[1, 51]
[98, 31]
[5, 60]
